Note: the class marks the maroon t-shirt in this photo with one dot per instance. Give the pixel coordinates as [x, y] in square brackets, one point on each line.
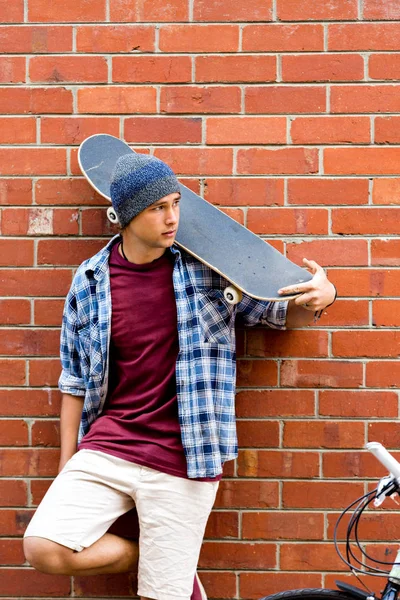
[139, 422]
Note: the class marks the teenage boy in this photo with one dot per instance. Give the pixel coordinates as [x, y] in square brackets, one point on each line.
[148, 379]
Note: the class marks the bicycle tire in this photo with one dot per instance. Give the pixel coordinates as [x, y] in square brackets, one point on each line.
[310, 594]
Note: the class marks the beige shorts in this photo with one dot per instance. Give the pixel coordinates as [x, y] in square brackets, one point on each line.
[94, 489]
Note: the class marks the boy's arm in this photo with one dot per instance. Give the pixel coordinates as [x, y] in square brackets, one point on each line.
[70, 416]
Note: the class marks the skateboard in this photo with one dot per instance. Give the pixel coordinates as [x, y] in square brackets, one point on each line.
[251, 265]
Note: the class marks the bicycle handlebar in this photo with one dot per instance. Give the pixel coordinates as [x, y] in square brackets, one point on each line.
[385, 458]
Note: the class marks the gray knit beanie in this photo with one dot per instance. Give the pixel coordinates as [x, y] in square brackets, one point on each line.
[139, 180]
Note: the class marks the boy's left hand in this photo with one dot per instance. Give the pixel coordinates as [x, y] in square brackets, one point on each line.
[315, 294]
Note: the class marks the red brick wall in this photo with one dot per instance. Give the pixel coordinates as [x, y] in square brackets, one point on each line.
[283, 112]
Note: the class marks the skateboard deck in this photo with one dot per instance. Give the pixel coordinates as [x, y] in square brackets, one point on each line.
[250, 264]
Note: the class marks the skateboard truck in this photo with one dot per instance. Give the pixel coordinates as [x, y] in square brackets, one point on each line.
[232, 295]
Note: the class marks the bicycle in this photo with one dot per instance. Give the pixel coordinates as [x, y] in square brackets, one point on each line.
[388, 486]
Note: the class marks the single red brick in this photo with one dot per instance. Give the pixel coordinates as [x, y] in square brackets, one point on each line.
[148, 10]
[331, 374]
[17, 130]
[373, 282]
[11, 552]
[15, 312]
[13, 433]
[323, 434]
[246, 130]
[13, 492]
[15, 191]
[224, 10]
[14, 522]
[366, 343]
[386, 433]
[235, 68]
[346, 312]
[12, 12]
[364, 36]
[282, 526]
[74, 69]
[233, 493]
[33, 282]
[384, 66]
[347, 161]
[283, 38]
[330, 130]
[46, 433]
[18, 257]
[285, 99]
[222, 525]
[288, 221]
[244, 191]
[31, 463]
[191, 99]
[273, 343]
[48, 312]
[274, 403]
[29, 582]
[328, 191]
[376, 9]
[385, 252]
[382, 374]
[151, 69]
[323, 67]
[78, 11]
[255, 585]
[20, 342]
[25, 100]
[12, 69]
[280, 161]
[258, 434]
[73, 130]
[365, 99]
[32, 161]
[116, 100]
[66, 192]
[362, 221]
[238, 555]
[115, 38]
[219, 583]
[330, 252]
[301, 10]
[44, 372]
[256, 373]
[40, 221]
[350, 465]
[310, 557]
[199, 38]
[362, 403]
[197, 161]
[12, 372]
[386, 313]
[282, 464]
[386, 132]
[163, 130]
[29, 403]
[319, 494]
[67, 252]
[35, 39]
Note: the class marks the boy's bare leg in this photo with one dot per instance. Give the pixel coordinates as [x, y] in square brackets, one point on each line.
[110, 554]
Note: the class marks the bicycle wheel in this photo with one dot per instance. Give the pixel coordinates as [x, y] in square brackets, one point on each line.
[310, 594]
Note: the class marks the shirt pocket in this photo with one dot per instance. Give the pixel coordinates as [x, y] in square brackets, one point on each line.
[216, 317]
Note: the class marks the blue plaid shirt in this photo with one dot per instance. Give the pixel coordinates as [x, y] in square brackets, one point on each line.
[206, 365]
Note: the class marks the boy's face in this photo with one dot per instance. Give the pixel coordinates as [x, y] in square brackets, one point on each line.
[156, 225]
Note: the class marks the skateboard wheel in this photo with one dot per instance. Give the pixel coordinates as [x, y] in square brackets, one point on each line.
[112, 215]
[232, 295]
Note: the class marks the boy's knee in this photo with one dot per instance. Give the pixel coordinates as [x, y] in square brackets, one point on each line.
[46, 556]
